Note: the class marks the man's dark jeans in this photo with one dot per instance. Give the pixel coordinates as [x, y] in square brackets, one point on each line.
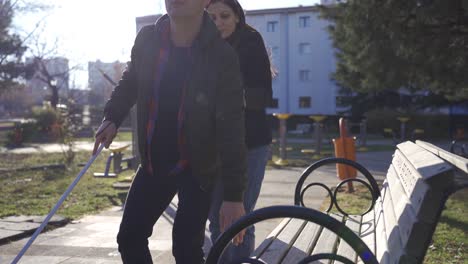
[147, 199]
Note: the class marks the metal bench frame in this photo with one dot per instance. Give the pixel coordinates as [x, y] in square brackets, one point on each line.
[300, 212]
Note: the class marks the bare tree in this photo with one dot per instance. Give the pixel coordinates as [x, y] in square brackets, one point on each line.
[50, 68]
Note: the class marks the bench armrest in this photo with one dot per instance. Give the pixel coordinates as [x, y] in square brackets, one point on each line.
[298, 212]
[458, 160]
[371, 184]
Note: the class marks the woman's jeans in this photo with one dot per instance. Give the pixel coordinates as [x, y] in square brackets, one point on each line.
[147, 199]
[256, 162]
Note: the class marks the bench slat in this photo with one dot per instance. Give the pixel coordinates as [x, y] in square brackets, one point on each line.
[392, 229]
[409, 226]
[327, 240]
[403, 210]
[270, 238]
[306, 240]
[281, 244]
[378, 205]
[367, 232]
[460, 177]
[344, 249]
[417, 186]
[397, 190]
[381, 247]
[409, 178]
[414, 235]
[426, 163]
[457, 161]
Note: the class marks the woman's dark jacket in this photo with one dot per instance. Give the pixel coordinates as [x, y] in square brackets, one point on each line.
[214, 117]
[256, 75]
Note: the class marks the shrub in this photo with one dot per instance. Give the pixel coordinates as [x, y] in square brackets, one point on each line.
[45, 118]
[46, 126]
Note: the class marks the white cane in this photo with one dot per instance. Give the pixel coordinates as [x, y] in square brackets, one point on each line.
[59, 203]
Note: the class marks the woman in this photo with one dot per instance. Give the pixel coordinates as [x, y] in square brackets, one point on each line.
[228, 16]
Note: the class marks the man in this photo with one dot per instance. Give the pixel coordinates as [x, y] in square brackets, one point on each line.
[186, 83]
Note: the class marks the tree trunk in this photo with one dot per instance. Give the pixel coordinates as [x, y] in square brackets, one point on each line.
[55, 97]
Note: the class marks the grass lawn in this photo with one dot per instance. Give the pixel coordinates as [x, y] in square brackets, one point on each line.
[3, 137]
[121, 136]
[450, 241]
[36, 192]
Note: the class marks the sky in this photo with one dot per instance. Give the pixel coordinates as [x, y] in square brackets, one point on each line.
[88, 30]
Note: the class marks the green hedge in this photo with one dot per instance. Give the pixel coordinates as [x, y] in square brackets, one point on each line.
[435, 126]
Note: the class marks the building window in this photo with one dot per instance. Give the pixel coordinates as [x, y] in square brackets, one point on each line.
[305, 48]
[274, 103]
[304, 75]
[272, 26]
[304, 102]
[304, 21]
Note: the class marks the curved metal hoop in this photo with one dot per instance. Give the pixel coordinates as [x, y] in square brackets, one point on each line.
[322, 162]
[351, 180]
[312, 258]
[298, 212]
[323, 186]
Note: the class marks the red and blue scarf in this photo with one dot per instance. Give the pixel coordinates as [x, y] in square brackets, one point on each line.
[161, 63]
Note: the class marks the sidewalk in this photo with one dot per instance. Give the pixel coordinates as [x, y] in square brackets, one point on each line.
[92, 238]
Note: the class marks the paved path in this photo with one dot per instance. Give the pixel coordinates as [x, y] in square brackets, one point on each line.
[92, 238]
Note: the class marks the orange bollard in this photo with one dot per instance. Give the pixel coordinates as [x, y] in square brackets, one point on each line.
[345, 148]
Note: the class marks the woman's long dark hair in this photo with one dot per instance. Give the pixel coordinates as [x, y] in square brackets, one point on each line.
[239, 12]
[236, 7]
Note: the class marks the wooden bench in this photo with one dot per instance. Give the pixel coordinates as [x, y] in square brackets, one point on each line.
[396, 229]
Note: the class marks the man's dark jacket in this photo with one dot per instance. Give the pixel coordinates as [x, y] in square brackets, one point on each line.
[214, 122]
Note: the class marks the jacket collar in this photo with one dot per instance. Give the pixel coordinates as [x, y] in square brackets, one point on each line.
[208, 32]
